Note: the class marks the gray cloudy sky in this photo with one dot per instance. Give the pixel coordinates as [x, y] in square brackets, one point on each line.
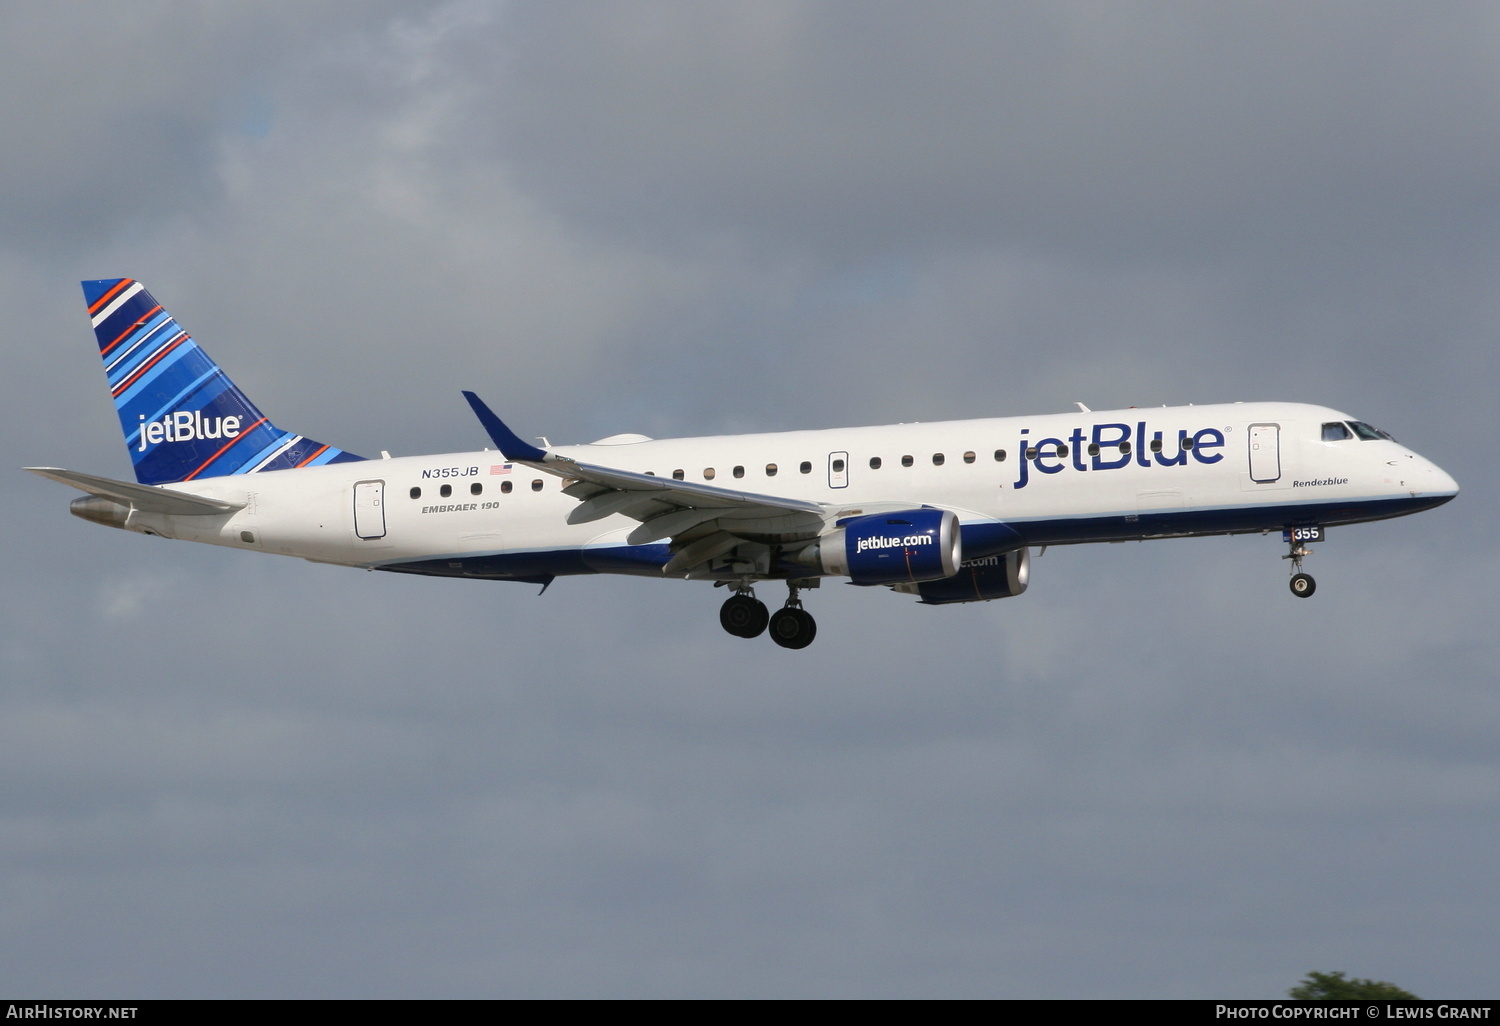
[1154, 775]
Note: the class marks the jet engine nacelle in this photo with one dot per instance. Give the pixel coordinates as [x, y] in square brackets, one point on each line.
[893, 548]
[978, 580]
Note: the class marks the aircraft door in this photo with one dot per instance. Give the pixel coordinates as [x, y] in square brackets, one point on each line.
[1265, 453]
[369, 510]
[838, 470]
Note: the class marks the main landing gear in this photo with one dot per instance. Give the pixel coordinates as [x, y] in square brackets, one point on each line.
[745, 616]
[791, 625]
[1302, 584]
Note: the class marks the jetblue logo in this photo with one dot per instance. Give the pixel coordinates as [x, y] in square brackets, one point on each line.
[1115, 446]
[909, 541]
[185, 426]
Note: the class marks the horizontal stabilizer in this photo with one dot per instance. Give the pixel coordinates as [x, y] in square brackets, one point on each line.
[143, 497]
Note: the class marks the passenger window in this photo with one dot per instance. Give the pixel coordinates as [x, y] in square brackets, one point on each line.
[1062, 450]
[708, 473]
[874, 462]
[445, 491]
[476, 488]
[1187, 441]
[416, 493]
[838, 466]
[1031, 453]
[1335, 432]
[1093, 448]
[677, 475]
[1124, 447]
[505, 487]
[536, 485]
[907, 461]
[806, 467]
[770, 470]
[1156, 445]
[969, 456]
[739, 471]
[937, 459]
[999, 455]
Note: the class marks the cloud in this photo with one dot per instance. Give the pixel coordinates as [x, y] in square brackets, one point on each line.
[1161, 133]
[1155, 774]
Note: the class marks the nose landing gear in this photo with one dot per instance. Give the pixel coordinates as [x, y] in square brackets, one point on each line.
[1302, 584]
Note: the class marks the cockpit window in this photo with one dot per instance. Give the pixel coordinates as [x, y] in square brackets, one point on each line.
[1365, 432]
[1334, 431]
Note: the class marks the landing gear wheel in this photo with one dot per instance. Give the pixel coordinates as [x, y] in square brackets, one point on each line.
[744, 616]
[1302, 584]
[793, 628]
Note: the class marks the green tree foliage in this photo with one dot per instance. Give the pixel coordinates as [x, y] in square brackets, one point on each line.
[1333, 987]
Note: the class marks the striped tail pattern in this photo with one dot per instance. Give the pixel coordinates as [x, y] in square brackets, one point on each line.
[182, 417]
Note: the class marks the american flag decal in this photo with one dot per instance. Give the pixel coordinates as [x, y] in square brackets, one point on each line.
[499, 468]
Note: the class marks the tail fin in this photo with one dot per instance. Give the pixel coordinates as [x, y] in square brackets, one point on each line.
[183, 418]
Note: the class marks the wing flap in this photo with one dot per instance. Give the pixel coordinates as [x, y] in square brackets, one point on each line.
[700, 551]
[669, 525]
[608, 502]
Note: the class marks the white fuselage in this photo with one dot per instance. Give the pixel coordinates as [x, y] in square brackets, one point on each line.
[1248, 467]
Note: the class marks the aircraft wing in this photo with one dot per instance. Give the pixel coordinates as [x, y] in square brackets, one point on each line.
[703, 521]
[146, 498]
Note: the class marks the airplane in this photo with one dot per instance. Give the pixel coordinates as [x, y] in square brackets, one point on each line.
[947, 512]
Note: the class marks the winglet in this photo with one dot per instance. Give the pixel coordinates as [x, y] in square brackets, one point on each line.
[506, 440]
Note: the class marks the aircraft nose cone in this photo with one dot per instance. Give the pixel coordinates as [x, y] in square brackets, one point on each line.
[1440, 481]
